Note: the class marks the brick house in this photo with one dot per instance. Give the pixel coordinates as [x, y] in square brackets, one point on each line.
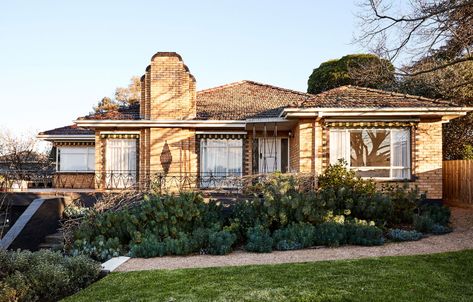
[248, 128]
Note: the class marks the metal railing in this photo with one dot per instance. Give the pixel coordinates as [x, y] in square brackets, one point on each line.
[130, 180]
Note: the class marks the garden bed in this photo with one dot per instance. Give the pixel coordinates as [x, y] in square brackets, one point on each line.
[460, 239]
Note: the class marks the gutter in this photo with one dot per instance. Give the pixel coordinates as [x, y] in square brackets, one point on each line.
[162, 123]
[66, 137]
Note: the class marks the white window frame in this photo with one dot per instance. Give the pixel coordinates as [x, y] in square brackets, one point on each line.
[391, 167]
[89, 155]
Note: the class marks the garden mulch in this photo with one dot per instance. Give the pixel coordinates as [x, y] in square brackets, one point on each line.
[460, 239]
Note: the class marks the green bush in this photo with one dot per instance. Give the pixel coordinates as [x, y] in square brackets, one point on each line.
[43, 275]
[439, 214]
[170, 218]
[295, 236]
[220, 243]
[404, 202]
[438, 229]
[330, 234]
[399, 235]
[335, 234]
[361, 234]
[423, 223]
[259, 240]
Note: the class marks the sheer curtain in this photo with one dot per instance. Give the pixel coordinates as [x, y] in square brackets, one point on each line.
[339, 145]
[400, 153]
[120, 163]
[220, 158]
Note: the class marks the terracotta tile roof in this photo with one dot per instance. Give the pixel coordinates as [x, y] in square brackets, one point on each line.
[68, 130]
[245, 100]
[131, 112]
[358, 97]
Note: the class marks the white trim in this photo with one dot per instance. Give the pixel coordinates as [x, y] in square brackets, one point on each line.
[162, 123]
[66, 137]
[221, 132]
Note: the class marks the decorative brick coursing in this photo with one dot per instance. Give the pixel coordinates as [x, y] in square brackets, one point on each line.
[99, 161]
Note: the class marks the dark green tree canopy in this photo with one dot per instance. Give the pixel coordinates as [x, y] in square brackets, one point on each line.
[364, 70]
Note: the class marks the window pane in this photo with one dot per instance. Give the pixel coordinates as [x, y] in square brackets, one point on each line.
[339, 146]
[74, 158]
[401, 154]
[220, 158]
[370, 148]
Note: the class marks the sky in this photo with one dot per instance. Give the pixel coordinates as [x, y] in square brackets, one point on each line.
[59, 58]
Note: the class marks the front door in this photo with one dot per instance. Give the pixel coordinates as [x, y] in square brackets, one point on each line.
[269, 155]
[120, 163]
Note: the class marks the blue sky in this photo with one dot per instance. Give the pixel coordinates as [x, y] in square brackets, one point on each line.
[58, 58]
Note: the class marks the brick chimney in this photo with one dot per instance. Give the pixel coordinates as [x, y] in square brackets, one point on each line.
[168, 89]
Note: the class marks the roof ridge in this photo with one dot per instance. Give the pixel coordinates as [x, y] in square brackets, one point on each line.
[253, 83]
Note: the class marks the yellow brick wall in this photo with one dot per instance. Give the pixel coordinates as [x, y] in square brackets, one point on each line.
[427, 159]
[172, 89]
[309, 152]
[181, 144]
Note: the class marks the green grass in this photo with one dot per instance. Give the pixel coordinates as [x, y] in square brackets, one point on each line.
[438, 277]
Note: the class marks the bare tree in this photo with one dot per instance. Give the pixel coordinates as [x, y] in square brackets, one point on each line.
[439, 32]
[20, 154]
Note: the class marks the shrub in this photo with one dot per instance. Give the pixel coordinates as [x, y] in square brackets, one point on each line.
[330, 234]
[439, 214]
[43, 275]
[439, 229]
[399, 235]
[220, 243]
[423, 223]
[363, 234]
[100, 248]
[404, 201]
[259, 240]
[170, 218]
[295, 236]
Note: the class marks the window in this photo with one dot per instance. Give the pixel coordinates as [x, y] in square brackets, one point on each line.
[377, 153]
[220, 158]
[273, 155]
[81, 159]
[120, 163]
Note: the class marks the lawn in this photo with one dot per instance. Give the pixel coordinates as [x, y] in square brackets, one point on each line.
[438, 277]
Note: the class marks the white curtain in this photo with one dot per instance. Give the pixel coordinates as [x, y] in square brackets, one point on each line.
[220, 158]
[400, 153]
[339, 145]
[120, 162]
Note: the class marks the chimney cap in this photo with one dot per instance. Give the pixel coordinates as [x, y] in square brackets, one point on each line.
[166, 54]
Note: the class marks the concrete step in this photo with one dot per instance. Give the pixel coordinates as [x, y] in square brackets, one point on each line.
[56, 238]
[51, 246]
